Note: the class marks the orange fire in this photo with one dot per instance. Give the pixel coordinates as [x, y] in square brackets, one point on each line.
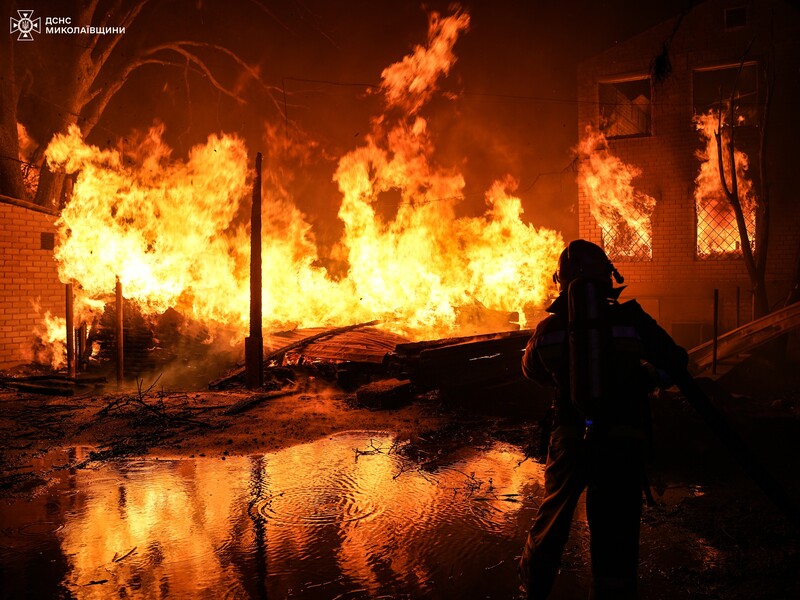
[717, 231]
[622, 212]
[172, 230]
[51, 331]
[26, 155]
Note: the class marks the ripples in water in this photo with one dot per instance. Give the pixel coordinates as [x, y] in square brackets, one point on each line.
[345, 516]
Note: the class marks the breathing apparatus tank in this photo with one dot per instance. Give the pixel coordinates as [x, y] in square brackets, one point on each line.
[589, 346]
[584, 273]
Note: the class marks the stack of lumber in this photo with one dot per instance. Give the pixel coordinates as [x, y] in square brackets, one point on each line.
[460, 362]
[366, 345]
[349, 345]
[360, 351]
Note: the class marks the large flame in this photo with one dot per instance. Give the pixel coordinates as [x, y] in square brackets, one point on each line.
[410, 83]
[717, 231]
[51, 331]
[172, 231]
[27, 159]
[622, 212]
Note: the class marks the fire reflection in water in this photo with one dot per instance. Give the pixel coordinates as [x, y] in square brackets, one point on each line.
[312, 521]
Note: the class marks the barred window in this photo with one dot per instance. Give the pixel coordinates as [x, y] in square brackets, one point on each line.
[626, 241]
[622, 212]
[717, 231]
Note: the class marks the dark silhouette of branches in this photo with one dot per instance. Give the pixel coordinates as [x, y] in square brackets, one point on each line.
[755, 260]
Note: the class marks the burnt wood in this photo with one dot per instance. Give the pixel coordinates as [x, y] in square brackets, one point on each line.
[460, 362]
[277, 355]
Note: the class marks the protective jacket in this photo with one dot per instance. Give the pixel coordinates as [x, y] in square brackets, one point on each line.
[641, 351]
[608, 462]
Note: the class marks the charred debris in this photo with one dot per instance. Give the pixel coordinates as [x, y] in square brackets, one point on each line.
[377, 368]
[385, 370]
[382, 369]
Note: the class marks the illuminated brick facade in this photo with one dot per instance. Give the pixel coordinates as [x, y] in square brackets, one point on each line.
[676, 286]
[29, 277]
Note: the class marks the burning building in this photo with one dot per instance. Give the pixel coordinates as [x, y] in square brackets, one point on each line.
[649, 181]
[171, 231]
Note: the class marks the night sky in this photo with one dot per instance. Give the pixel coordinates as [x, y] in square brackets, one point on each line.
[508, 105]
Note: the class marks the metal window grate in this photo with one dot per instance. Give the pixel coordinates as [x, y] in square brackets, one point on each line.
[623, 242]
[717, 232]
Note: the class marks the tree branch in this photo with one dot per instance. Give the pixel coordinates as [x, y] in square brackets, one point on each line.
[180, 47]
[763, 212]
[754, 270]
[720, 161]
[99, 52]
[193, 58]
[233, 56]
[271, 14]
[126, 20]
[105, 20]
[733, 193]
[101, 96]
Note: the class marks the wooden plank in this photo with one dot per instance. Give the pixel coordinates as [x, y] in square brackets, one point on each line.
[415, 348]
[57, 378]
[467, 351]
[368, 345]
[256, 399]
[465, 362]
[280, 352]
[49, 390]
[747, 337]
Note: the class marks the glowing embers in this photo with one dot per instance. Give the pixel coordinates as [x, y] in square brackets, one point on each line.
[622, 212]
[717, 232]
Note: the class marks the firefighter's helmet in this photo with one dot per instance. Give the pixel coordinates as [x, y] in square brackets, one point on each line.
[584, 259]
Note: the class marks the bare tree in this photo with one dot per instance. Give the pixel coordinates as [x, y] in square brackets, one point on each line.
[52, 95]
[755, 256]
[10, 173]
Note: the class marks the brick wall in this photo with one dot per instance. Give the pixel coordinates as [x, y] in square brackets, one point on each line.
[29, 278]
[676, 286]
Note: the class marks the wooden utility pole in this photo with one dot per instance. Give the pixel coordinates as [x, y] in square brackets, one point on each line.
[254, 344]
[70, 310]
[120, 353]
[715, 339]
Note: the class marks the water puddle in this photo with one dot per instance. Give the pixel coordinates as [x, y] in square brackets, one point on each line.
[343, 517]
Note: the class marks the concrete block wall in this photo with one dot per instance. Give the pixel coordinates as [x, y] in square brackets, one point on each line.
[29, 278]
[676, 286]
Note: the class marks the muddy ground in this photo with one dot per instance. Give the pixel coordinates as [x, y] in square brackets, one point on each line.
[706, 506]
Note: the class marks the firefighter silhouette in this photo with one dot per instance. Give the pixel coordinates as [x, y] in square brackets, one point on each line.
[601, 355]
